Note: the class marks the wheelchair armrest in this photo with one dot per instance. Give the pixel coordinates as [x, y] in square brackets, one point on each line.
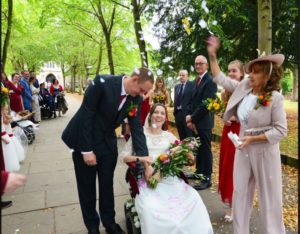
[134, 172]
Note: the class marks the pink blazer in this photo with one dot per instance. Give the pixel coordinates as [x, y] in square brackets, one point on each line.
[273, 115]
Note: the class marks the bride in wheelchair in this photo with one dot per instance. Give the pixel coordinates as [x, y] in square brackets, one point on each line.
[173, 206]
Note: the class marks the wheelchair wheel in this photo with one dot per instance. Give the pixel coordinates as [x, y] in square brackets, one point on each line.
[131, 228]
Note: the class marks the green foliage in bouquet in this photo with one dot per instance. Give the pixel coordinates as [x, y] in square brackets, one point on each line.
[180, 154]
[214, 105]
[4, 96]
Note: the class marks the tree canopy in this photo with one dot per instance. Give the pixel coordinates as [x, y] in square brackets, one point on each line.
[110, 37]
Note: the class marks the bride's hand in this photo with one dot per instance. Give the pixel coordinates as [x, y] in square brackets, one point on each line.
[191, 158]
[148, 172]
[174, 149]
[146, 159]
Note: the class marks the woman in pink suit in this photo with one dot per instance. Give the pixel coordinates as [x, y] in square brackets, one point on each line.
[259, 108]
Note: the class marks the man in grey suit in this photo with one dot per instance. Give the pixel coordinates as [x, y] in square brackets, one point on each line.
[108, 100]
[182, 99]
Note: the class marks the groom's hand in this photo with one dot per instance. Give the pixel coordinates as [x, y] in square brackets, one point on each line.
[90, 159]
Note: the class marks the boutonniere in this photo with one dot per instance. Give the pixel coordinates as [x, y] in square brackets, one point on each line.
[132, 110]
[263, 100]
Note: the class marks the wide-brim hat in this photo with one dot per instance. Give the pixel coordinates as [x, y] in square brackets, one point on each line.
[275, 58]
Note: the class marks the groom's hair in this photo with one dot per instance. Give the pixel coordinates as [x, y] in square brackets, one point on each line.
[164, 126]
[144, 74]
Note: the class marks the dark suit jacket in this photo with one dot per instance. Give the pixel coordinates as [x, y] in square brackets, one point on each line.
[200, 115]
[93, 126]
[186, 98]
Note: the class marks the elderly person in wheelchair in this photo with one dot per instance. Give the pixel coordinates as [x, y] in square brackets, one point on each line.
[173, 206]
[58, 94]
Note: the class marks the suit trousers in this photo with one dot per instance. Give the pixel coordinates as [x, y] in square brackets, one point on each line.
[180, 122]
[256, 166]
[204, 158]
[86, 185]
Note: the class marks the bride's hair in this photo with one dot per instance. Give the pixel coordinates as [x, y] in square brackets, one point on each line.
[152, 111]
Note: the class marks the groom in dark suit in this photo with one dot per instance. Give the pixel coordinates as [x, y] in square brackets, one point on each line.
[91, 135]
[202, 121]
[182, 99]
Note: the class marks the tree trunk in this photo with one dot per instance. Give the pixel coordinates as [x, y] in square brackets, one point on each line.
[73, 79]
[8, 32]
[107, 28]
[265, 26]
[139, 33]
[109, 54]
[99, 59]
[62, 67]
[295, 85]
[80, 85]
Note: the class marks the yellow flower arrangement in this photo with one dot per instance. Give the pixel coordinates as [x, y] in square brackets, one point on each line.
[214, 105]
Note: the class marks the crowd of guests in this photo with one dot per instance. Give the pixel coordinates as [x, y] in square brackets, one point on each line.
[254, 111]
[21, 100]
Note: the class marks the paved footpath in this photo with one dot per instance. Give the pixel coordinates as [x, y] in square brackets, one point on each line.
[48, 203]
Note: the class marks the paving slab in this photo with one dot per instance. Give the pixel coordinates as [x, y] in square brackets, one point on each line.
[51, 166]
[61, 197]
[34, 222]
[25, 202]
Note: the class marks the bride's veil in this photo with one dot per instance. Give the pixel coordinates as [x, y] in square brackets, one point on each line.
[147, 121]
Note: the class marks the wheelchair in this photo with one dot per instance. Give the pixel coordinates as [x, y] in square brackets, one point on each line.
[135, 172]
[61, 104]
[46, 112]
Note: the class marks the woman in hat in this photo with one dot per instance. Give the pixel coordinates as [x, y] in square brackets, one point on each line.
[259, 108]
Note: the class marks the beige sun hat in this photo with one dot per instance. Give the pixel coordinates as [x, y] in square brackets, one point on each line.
[274, 58]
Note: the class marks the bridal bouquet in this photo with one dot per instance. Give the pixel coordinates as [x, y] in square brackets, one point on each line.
[214, 105]
[180, 154]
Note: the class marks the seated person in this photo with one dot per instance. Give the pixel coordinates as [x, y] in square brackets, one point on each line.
[46, 97]
[173, 206]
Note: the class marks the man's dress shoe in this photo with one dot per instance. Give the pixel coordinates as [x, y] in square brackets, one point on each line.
[114, 229]
[203, 185]
[6, 204]
[94, 231]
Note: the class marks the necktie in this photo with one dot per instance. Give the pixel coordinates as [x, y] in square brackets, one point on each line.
[198, 81]
[121, 101]
[179, 97]
[121, 98]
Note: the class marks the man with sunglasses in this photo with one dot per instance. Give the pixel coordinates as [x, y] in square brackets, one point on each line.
[202, 122]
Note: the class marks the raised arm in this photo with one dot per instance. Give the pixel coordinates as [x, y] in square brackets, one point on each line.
[219, 77]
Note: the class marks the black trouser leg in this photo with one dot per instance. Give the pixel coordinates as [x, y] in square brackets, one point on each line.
[86, 185]
[204, 157]
[106, 167]
[182, 129]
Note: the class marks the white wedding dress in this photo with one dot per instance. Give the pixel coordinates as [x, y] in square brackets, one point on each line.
[173, 207]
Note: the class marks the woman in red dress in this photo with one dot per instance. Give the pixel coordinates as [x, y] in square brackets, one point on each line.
[160, 95]
[227, 150]
[15, 92]
[145, 107]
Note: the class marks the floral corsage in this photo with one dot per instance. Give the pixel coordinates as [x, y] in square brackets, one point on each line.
[263, 100]
[132, 110]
